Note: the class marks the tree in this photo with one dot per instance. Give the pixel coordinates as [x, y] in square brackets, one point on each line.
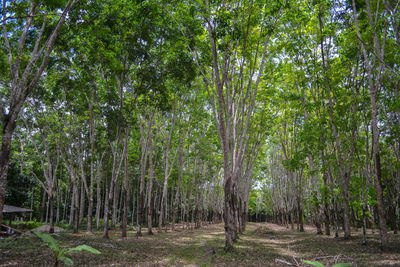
[24, 74]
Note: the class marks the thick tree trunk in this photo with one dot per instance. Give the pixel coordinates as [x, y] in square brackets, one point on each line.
[229, 214]
[43, 206]
[51, 212]
[8, 129]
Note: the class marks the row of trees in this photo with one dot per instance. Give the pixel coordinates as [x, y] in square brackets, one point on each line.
[334, 156]
[159, 111]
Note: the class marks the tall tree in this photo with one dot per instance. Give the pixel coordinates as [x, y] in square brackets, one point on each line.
[24, 74]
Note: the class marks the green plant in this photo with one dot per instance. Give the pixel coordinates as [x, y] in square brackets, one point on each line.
[318, 264]
[60, 253]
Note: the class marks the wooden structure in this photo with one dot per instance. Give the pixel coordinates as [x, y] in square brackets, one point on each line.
[11, 211]
[8, 209]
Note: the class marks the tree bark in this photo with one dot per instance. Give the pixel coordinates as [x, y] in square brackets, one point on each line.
[98, 190]
[126, 185]
[51, 212]
[151, 176]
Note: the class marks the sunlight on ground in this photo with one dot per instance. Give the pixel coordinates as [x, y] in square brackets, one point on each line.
[261, 245]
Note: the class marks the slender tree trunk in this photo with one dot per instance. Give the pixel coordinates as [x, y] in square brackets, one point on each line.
[190, 193]
[59, 199]
[82, 202]
[76, 208]
[167, 169]
[145, 139]
[32, 198]
[115, 199]
[108, 196]
[346, 210]
[180, 169]
[151, 176]
[126, 185]
[98, 191]
[72, 206]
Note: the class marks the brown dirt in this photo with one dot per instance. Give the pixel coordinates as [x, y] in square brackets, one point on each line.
[261, 245]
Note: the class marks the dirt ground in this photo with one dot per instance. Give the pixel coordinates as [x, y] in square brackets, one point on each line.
[261, 245]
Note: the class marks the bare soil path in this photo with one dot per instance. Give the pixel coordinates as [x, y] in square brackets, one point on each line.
[261, 245]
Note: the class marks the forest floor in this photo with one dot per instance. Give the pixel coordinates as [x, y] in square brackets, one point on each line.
[262, 244]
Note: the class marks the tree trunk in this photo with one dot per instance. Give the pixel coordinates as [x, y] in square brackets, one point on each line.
[144, 140]
[151, 176]
[72, 206]
[167, 170]
[21, 87]
[82, 202]
[126, 185]
[8, 129]
[98, 192]
[59, 199]
[346, 210]
[32, 198]
[180, 169]
[76, 208]
[51, 212]
[107, 199]
[229, 214]
[43, 206]
[190, 193]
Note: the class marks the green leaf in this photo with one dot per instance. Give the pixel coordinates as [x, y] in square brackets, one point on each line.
[66, 260]
[314, 263]
[342, 265]
[84, 248]
[51, 242]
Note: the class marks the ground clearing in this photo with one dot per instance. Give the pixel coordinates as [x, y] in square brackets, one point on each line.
[261, 245]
